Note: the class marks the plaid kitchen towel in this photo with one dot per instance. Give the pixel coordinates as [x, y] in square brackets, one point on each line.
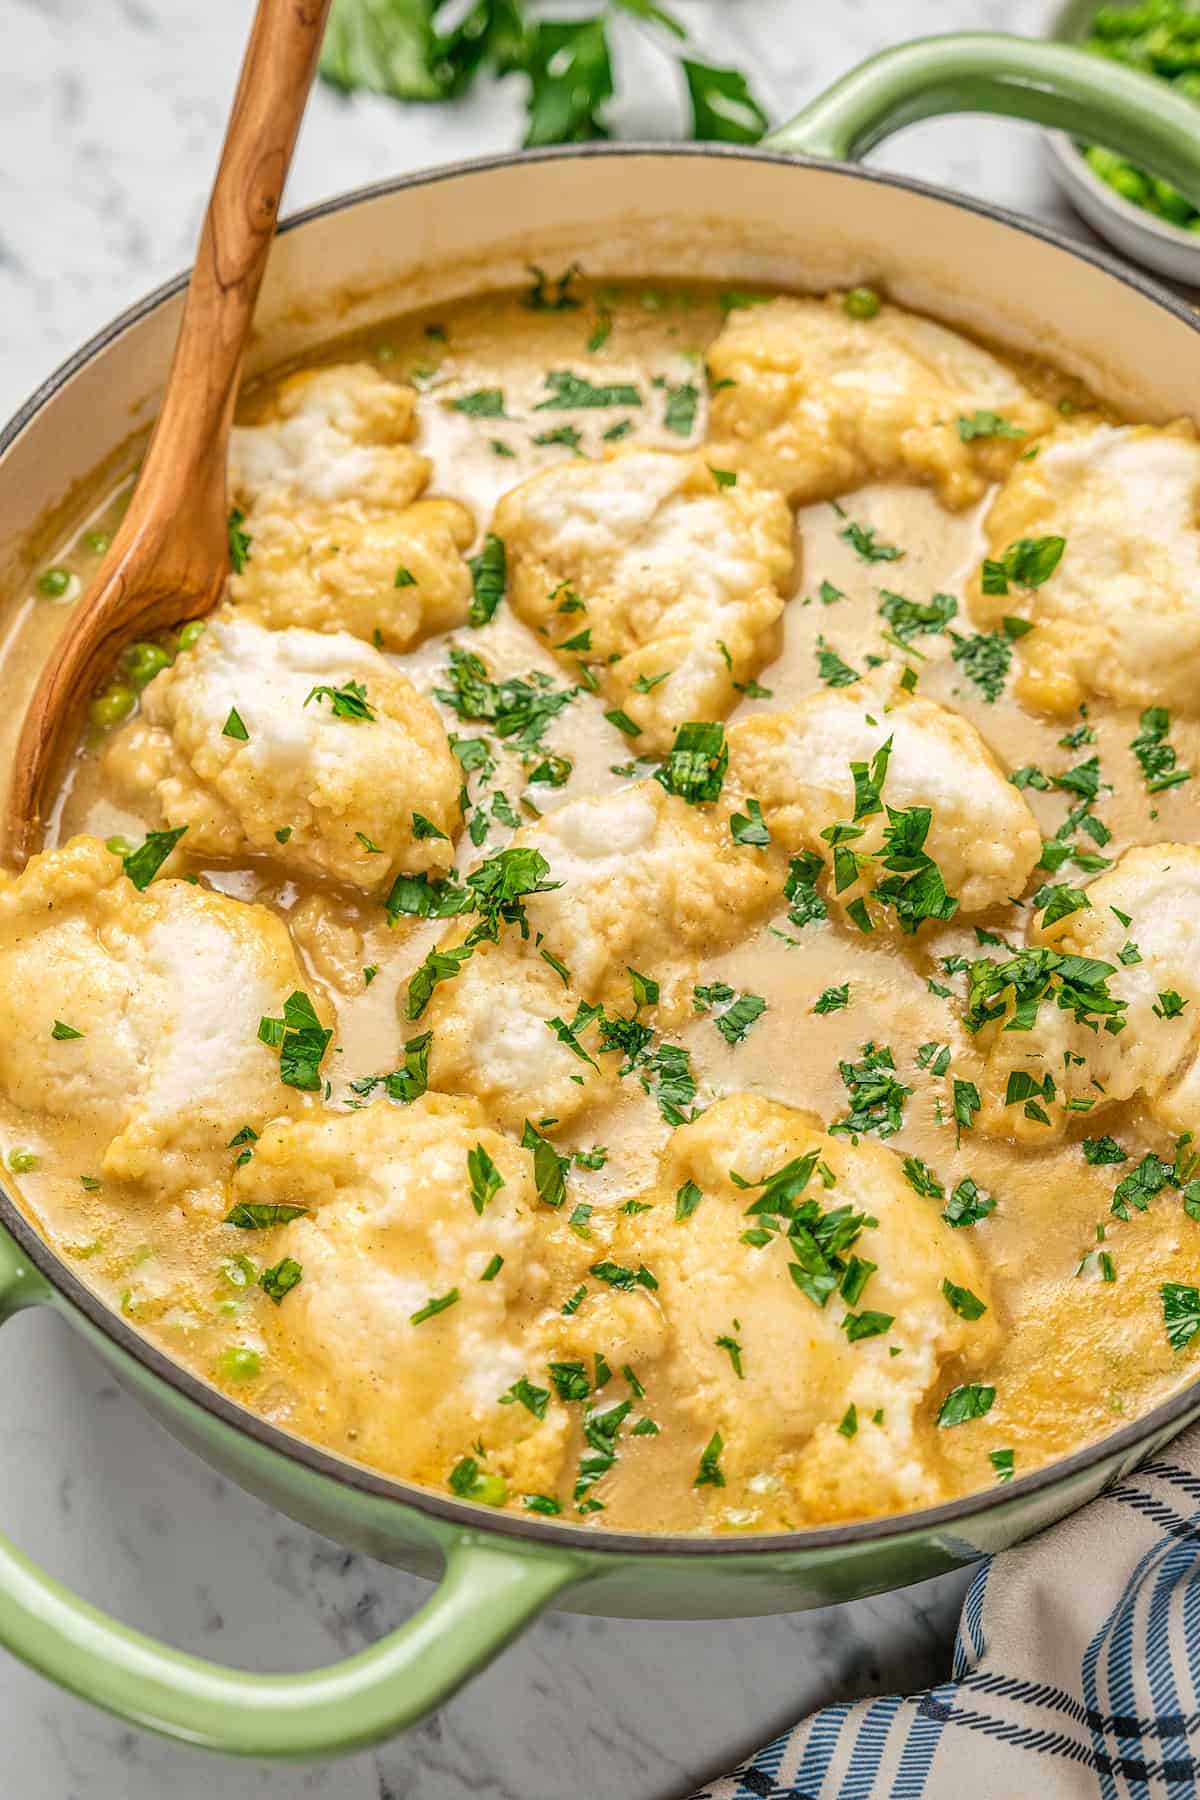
[1076, 1673]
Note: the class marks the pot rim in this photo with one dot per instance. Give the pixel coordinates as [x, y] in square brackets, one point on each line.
[312, 1458]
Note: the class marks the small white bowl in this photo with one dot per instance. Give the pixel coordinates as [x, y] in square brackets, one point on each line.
[1146, 239]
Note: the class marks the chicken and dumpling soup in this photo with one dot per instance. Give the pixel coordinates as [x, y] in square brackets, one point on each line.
[643, 966]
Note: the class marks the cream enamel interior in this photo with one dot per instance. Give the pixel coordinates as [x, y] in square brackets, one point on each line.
[1054, 1394]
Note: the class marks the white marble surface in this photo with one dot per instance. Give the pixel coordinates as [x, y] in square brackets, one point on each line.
[110, 115]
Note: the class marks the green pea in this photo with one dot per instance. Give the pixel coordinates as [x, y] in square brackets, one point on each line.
[191, 634]
[240, 1271]
[239, 1364]
[55, 582]
[1170, 204]
[97, 542]
[490, 1490]
[862, 303]
[1130, 183]
[23, 1162]
[114, 704]
[143, 661]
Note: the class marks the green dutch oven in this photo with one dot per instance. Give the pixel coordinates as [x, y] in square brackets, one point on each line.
[793, 211]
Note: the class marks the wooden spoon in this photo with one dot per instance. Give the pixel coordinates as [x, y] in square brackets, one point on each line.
[170, 554]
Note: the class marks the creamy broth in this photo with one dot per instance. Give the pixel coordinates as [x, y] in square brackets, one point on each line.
[1077, 1340]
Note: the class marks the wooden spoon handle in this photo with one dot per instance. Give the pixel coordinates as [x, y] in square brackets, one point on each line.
[169, 556]
[235, 241]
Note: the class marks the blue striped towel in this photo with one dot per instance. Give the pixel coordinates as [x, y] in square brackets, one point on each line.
[1076, 1673]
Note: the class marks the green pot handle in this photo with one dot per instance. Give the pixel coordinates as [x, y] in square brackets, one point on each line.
[1022, 78]
[488, 1591]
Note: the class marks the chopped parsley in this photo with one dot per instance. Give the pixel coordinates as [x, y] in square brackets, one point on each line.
[730, 1344]
[567, 435]
[566, 390]
[1098, 1151]
[962, 1301]
[404, 578]
[60, 1032]
[908, 618]
[143, 864]
[549, 1168]
[301, 1040]
[967, 1204]
[1026, 564]
[239, 541]
[517, 709]
[984, 660]
[278, 1282]
[552, 294]
[679, 412]
[833, 999]
[985, 424]
[1156, 757]
[484, 403]
[489, 574]
[970, 1401]
[876, 1094]
[1034, 975]
[735, 1020]
[348, 701]
[405, 1084]
[750, 827]
[696, 763]
[1002, 1463]
[433, 1306]
[1181, 1313]
[806, 905]
[866, 1325]
[687, 1200]
[831, 669]
[486, 1179]
[234, 726]
[708, 1472]
[492, 1268]
[524, 1393]
[861, 539]
[256, 1215]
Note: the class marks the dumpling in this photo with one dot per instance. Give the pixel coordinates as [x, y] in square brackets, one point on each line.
[797, 764]
[299, 745]
[330, 435]
[1150, 965]
[407, 1206]
[646, 567]
[338, 539]
[1120, 614]
[648, 882]
[816, 403]
[801, 1362]
[138, 1012]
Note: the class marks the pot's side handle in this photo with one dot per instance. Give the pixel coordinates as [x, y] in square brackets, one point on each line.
[1024, 78]
[488, 1591]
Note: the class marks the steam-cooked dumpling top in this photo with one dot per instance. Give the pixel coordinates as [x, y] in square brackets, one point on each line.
[646, 881]
[139, 1012]
[981, 834]
[303, 746]
[662, 574]
[338, 539]
[329, 435]
[1150, 965]
[408, 1205]
[817, 403]
[807, 1348]
[1120, 613]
